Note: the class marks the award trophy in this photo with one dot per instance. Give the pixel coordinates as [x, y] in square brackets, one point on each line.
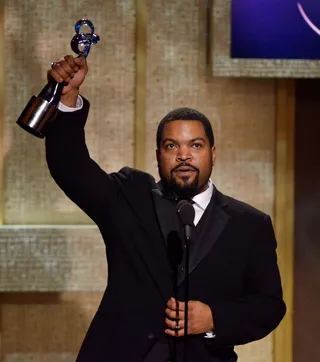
[41, 110]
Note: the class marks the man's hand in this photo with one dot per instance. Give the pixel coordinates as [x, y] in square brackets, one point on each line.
[199, 318]
[72, 71]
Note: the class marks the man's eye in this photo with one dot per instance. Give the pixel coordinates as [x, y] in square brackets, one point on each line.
[170, 146]
[197, 145]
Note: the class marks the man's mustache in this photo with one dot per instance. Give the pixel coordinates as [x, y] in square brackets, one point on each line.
[185, 164]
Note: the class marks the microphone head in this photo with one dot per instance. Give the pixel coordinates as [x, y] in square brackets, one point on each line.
[186, 212]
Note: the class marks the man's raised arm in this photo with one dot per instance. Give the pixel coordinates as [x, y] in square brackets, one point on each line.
[70, 164]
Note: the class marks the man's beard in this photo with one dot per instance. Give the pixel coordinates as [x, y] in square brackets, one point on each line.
[184, 188]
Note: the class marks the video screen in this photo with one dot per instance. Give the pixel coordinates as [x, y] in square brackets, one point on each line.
[275, 29]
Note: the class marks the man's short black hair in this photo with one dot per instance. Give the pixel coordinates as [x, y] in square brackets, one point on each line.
[186, 114]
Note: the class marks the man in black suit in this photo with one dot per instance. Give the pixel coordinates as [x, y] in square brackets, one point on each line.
[235, 289]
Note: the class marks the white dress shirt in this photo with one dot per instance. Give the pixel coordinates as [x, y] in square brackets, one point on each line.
[65, 108]
[201, 201]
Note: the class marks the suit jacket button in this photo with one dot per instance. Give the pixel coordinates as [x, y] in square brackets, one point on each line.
[150, 336]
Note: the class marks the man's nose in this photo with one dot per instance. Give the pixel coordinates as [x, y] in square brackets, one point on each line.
[183, 154]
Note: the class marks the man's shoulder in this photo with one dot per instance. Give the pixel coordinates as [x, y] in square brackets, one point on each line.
[130, 172]
[237, 207]
[134, 177]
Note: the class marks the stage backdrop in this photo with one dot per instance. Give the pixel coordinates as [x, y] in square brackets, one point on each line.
[52, 263]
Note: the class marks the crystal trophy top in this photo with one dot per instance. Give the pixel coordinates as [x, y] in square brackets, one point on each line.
[81, 43]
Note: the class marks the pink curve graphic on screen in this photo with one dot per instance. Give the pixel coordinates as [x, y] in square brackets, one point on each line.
[307, 19]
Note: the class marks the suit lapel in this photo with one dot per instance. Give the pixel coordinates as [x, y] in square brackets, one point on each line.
[215, 223]
[166, 213]
[169, 224]
[150, 243]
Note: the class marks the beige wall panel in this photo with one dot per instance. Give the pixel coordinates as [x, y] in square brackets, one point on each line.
[38, 357]
[52, 259]
[45, 357]
[36, 34]
[41, 327]
[242, 112]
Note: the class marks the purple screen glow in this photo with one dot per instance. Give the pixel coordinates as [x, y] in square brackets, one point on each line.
[275, 29]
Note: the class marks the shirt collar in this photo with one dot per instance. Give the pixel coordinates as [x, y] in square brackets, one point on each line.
[202, 200]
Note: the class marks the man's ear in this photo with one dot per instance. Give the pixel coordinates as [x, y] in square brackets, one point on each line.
[157, 154]
[213, 155]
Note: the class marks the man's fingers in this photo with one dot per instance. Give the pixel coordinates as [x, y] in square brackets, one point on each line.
[59, 69]
[175, 327]
[175, 333]
[199, 318]
[174, 314]
[55, 75]
[174, 324]
[81, 62]
[175, 305]
[72, 62]
[67, 68]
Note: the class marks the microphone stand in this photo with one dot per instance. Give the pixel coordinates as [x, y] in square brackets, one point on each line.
[175, 296]
[186, 215]
[175, 253]
[187, 234]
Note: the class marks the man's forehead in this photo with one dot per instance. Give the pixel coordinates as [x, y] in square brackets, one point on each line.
[184, 130]
[183, 124]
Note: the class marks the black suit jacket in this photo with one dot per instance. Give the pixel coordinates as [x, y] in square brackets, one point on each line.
[235, 271]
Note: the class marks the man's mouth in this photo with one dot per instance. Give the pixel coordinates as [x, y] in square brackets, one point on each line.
[184, 170]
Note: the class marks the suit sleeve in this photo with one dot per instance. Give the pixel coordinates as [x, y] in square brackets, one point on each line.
[261, 308]
[71, 166]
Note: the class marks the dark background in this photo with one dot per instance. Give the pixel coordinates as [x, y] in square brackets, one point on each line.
[307, 223]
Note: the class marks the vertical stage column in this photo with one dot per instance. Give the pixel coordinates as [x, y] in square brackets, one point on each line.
[140, 84]
[284, 211]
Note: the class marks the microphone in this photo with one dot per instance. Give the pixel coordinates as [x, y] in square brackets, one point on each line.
[186, 214]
